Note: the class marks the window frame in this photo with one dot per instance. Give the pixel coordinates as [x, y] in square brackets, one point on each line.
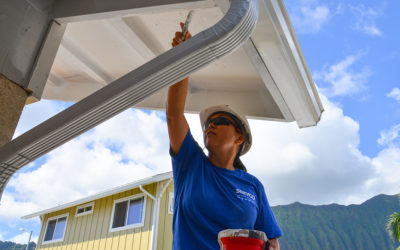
[84, 206]
[170, 198]
[47, 224]
[132, 197]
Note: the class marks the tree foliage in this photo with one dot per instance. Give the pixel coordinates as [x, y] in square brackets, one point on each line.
[393, 226]
[8, 245]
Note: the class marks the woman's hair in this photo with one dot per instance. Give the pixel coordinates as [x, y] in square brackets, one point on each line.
[237, 163]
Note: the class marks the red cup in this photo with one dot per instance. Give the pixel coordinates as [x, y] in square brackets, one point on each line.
[242, 239]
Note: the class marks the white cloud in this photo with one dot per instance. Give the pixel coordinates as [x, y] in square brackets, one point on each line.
[395, 94]
[387, 164]
[341, 79]
[325, 167]
[23, 238]
[315, 165]
[308, 17]
[12, 206]
[366, 19]
[131, 146]
[35, 113]
[390, 136]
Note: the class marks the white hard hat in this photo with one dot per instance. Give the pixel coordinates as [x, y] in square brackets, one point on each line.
[206, 113]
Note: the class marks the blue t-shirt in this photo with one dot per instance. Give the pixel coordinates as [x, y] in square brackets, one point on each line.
[209, 199]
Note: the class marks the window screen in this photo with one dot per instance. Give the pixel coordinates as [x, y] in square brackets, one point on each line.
[60, 226]
[84, 209]
[129, 212]
[120, 214]
[55, 229]
[135, 211]
[50, 230]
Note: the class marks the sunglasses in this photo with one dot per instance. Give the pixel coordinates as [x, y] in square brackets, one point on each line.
[220, 120]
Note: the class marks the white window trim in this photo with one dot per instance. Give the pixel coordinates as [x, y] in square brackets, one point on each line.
[47, 223]
[83, 206]
[171, 197]
[141, 224]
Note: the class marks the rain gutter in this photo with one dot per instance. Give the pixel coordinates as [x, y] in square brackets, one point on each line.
[168, 68]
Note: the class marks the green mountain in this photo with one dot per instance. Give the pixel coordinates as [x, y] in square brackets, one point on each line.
[336, 226]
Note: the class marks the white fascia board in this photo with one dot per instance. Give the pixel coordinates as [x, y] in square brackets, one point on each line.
[116, 190]
[284, 60]
[262, 69]
[45, 58]
[269, 83]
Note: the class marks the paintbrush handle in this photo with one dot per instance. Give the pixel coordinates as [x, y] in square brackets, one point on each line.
[186, 25]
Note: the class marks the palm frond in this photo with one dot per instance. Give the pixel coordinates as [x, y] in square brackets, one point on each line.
[393, 226]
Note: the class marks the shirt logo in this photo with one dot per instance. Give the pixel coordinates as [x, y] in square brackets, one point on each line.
[243, 195]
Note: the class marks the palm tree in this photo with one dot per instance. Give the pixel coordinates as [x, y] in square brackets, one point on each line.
[393, 227]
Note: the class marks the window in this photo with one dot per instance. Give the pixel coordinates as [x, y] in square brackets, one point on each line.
[171, 203]
[84, 209]
[128, 213]
[55, 229]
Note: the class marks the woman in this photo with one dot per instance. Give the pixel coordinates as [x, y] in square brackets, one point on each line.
[214, 192]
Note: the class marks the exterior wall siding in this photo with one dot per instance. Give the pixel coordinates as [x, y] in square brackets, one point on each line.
[164, 241]
[92, 231]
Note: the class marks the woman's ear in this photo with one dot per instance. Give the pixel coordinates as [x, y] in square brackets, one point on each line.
[240, 139]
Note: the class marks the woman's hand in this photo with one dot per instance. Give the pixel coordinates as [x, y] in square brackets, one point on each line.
[177, 39]
[274, 244]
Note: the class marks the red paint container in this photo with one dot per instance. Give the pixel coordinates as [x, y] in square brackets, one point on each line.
[242, 239]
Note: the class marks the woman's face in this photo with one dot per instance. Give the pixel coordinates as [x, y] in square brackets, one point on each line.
[222, 137]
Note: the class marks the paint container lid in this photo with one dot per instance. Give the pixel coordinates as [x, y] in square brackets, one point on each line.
[243, 239]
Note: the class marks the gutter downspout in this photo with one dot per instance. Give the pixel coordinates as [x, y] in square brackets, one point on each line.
[156, 211]
[168, 68]
[147, 193]
[156, 215]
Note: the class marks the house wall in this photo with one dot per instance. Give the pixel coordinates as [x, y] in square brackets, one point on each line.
[164, 241]
[92, 231]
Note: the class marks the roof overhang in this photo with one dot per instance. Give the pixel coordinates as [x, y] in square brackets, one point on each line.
[266, 78]
[137, 85]
[109, 192]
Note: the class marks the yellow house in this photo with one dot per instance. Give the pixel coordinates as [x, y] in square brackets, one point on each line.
[137, 215]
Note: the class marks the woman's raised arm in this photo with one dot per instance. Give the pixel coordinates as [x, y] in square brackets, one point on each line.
[176, 121]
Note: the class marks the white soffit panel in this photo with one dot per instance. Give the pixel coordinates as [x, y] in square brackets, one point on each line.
[93, 53]
[137, 85]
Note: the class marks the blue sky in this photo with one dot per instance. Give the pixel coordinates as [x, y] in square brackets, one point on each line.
[352, 51]
[367, 30]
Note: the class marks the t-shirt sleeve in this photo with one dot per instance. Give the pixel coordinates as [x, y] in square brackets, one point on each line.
[185, 158]
[266, 221]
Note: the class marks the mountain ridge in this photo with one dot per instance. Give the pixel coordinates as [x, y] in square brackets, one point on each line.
[337, 226]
